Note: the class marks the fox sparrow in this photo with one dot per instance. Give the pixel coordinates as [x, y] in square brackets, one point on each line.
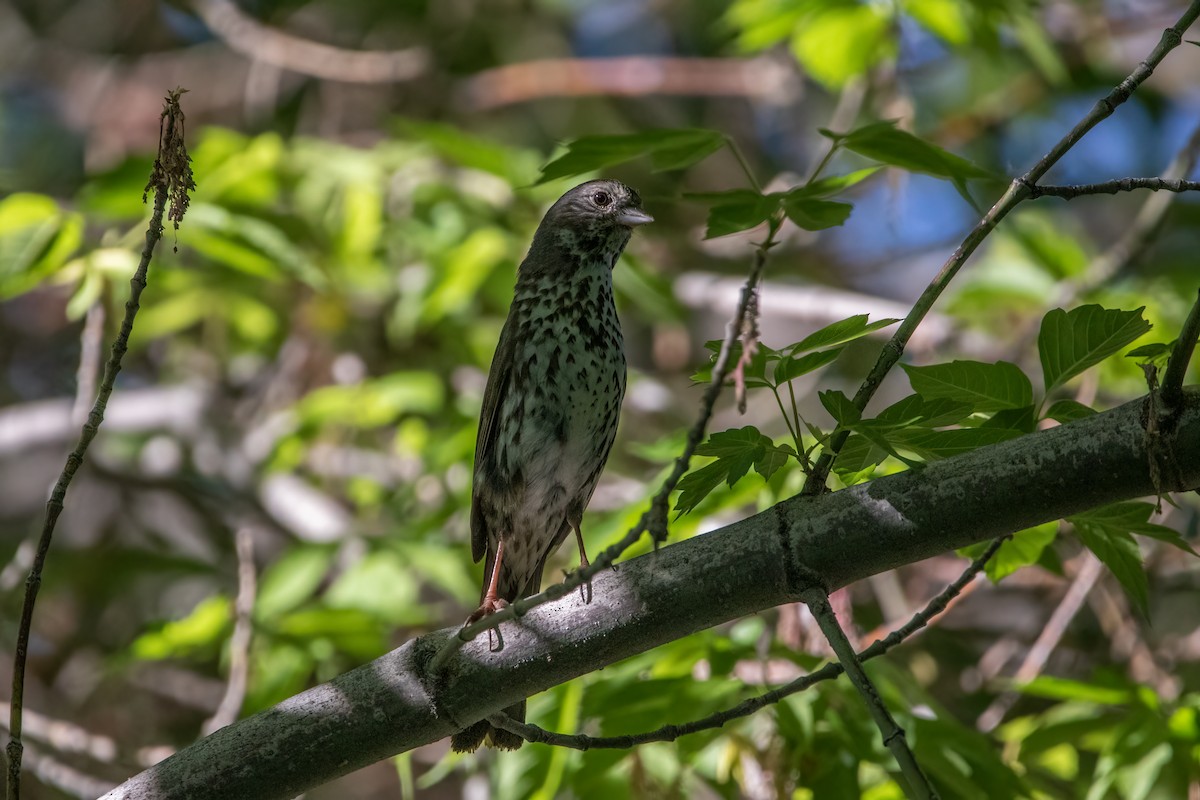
[551, 404]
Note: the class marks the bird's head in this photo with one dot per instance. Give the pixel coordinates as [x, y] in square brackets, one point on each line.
[589, 224]
[598, 204]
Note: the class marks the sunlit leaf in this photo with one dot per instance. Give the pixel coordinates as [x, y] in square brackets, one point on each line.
[204, 627]
[987, 387]
[838, 42]
[291, 580]
[845, 330]
[1071, 341]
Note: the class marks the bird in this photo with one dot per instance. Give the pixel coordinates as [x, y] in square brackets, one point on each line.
[551, 404]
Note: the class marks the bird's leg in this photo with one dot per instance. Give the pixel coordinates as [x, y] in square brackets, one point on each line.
[585, 590]
[492, 601]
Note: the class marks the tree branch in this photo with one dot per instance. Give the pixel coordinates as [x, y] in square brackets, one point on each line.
[395, 703]
[669, 733]
[170, 180]
[1017, 192]
[1113, 187]
[1185, 345]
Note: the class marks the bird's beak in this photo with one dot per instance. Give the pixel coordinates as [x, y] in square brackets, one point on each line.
[633, 217]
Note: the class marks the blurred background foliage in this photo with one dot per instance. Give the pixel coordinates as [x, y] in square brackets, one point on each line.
[309, 361]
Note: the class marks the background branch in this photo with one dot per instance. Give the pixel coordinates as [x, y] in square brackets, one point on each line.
[1113, 187]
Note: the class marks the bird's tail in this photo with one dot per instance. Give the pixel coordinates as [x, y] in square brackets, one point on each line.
[470, 738]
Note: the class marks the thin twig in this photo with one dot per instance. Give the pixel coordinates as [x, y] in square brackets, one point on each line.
[653, 519]
[917, 784]
[1047, 641]
[239, 644]
[1018, 191]
[1181, 356]
[1070, 192]
[170, 179]
[669, 733]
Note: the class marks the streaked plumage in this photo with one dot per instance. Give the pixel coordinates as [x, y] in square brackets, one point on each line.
[552, 401]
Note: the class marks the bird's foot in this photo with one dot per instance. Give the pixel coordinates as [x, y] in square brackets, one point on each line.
[490, 605]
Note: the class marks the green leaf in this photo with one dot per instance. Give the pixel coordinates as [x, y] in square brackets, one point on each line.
[1017, 419]
[988, 387]
[668, 149]
[1071, 341]
[1024, 548]
[1121, 555]
[1065, 411]
[736, 210]
[840, 407]
[931, 445]
[789, 368]
[837, 42]
[930, 413]
[291, 580]
[36, 239]
[812, 214]
[698, 484]
[884, 142]
[754, 373]
[845, 330]
[946, 19]
[736, 451]
[203, 627]
[834, 184]
[1133, 517]
[1157, 353]
[1066, 689]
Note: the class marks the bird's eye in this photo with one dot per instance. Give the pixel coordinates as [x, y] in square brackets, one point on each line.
[601, 199]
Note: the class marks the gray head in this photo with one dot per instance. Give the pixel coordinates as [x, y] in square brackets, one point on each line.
[596, 205]
[589, 224]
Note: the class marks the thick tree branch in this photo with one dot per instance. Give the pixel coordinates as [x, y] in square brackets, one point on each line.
[394, 704]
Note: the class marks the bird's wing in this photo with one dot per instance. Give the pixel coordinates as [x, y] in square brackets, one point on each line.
[493, 399]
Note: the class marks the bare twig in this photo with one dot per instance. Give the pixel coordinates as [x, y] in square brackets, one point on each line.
[170, 181]
[669, 733]
[653, 519]
[257, 42]
[918, 785]
[1113, 187]
[1035, 660]
[239, 644]
[1018, 191]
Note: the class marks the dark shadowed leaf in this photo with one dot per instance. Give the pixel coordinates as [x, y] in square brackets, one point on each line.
[1065, 411]
[1071, 341]
[1121, 555]
[736, 451]
[812, 214]
[917, 410]
[736, 210]
[1133, 517]
[840, 407]
[668, 149]
[788, 368]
